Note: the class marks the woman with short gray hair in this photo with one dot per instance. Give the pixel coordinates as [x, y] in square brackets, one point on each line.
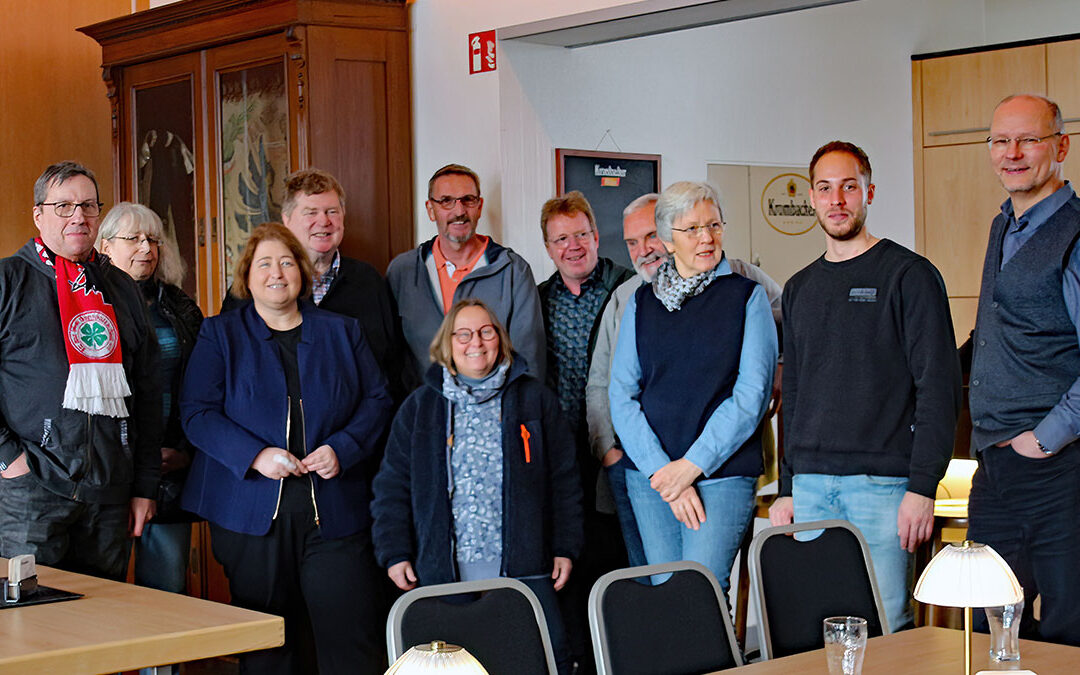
[690, 384]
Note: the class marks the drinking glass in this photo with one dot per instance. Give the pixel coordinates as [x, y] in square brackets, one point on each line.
[845, 644]
[1005, 632]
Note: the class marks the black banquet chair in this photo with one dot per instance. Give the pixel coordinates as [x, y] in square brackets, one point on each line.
[499, 621]
[679, 627]
[801, 583]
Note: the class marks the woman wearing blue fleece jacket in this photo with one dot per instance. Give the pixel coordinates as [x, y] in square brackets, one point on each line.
[479, 478]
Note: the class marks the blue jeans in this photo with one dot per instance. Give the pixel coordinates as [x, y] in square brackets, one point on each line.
[729, 505]
[616, 475]
[161, 556]
[870, 503]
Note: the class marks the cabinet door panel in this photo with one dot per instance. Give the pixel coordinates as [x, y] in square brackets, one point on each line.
[363, 137]
[959, 92]
[251, 142]
[962, 196]
[161, 140]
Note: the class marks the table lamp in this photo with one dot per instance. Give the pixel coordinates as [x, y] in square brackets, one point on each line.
[437, 657]
[968, 575]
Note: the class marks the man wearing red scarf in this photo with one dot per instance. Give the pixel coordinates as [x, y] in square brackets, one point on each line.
[80, 401]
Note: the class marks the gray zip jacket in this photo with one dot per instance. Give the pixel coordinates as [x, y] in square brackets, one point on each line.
[505, 284]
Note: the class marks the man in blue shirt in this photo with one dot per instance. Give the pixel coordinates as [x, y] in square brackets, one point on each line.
[1025, 393]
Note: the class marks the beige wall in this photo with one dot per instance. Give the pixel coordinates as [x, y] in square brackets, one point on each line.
[52, 101]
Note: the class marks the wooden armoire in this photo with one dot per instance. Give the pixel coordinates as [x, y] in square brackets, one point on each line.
[214, 102]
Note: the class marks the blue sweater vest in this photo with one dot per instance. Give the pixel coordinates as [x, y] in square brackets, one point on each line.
[1026, 352]
[689, 363]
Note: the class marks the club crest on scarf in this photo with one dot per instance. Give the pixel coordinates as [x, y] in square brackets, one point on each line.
[93, 334]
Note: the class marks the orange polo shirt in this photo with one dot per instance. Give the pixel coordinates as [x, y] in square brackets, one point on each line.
[448, 283]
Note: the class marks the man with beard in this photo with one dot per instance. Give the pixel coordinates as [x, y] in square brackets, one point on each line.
[460, 263]
[871, 381]
[647, 253]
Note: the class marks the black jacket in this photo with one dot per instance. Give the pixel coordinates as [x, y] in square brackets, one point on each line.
[542, 516]
[92, 458]
[185, 317]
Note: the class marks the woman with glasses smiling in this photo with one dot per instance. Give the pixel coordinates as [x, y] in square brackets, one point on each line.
[479, 479]
[690, 384]
[134, 239]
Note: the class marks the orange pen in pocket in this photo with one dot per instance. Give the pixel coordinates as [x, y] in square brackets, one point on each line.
[525, 439]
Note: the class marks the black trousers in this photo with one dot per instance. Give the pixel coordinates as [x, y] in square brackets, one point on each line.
[1028, 510]
[59, 532]
[328, 589]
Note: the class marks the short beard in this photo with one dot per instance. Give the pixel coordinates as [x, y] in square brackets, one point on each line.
[639, 265]
[852, 231]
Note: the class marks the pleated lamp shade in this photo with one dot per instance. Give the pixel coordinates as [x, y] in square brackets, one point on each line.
[437, 657]
[968, 575]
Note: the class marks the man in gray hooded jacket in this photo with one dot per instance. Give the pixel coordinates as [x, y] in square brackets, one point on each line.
[459, 263]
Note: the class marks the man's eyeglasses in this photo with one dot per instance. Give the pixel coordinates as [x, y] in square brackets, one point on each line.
[67, 209]
[999, 143]
[564, 241]
[464, 335]
[696, 231]
[447, 203]
[137, 239]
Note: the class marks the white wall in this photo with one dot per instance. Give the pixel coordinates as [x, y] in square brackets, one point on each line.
[767, 90]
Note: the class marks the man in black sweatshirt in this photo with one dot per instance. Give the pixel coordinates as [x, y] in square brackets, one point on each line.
[871, 381]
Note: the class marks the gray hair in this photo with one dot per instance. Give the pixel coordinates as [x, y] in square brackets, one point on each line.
[679, 198]
[58, 174]
[1056, 122]
[640, 203]
[127, 216]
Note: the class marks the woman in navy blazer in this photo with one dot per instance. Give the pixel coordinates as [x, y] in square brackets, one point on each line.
[285, 403]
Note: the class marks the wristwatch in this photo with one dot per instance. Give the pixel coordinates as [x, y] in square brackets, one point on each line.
[1042, 447]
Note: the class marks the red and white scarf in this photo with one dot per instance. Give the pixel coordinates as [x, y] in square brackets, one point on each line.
[96, 381]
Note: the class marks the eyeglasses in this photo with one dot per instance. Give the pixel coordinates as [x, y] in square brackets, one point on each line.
[696, 231]
[447, 203]
[564, 241]
[137, 239]
[67, 209]
[999, 144]
[464, 335]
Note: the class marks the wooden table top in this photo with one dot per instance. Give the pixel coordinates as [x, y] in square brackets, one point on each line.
[119, 627]
[928, 651]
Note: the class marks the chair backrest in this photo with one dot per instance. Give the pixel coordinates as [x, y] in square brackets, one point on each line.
[677, 627]
[500, 621]
[800, 583]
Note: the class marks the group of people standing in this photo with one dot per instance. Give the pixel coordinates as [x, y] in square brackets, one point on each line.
[345, 434]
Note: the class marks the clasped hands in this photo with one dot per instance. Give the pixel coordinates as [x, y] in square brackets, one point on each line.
[277, 463]
[675, 483]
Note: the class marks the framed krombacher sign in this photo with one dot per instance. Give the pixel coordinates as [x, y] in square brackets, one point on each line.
[610, 181]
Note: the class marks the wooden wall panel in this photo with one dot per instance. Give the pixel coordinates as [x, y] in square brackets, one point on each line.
[959, 92]
[53, 104]
[1062, 83]
[962, 196]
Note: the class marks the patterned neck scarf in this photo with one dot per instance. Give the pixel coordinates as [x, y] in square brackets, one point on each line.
[672, 290]
[96, 381]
